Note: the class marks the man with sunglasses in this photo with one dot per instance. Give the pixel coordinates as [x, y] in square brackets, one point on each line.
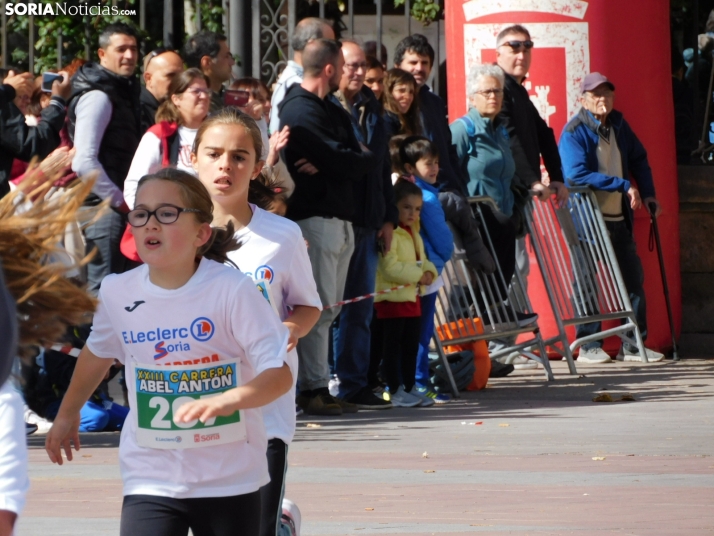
[161, 66]
[530, 138]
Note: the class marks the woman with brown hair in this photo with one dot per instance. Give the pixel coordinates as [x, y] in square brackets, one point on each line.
[169, 141]
[401, 105]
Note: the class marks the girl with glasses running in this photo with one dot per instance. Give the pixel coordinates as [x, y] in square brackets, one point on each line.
[203, 351]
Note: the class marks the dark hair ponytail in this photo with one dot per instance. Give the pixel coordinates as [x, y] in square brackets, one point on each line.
[195, 195]
[221, 242]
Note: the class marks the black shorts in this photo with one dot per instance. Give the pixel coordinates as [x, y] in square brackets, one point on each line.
[149, 515]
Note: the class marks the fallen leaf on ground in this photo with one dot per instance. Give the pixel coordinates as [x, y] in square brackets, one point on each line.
[477, 423]
[425, 455]
[598, 458]
[603, 398]
[369, 509]
[430, 471]
[627, 397]
[504, 425]
[86, 455]
[313, 425]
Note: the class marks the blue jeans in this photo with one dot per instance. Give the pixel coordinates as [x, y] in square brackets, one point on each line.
[634, 278]
[428, 307]
[105, 235]
[351, 339]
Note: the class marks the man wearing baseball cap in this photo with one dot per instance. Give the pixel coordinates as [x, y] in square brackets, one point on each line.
[599, 149]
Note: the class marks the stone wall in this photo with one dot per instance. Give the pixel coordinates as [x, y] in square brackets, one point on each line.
[696, 229]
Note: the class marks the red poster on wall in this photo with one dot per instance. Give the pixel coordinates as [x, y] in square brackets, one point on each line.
[573, 38]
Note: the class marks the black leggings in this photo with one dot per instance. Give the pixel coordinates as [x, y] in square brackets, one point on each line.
[271, 495]
[400, 345]
[149, 515]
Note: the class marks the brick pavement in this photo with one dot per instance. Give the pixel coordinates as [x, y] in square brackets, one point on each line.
[367, 473]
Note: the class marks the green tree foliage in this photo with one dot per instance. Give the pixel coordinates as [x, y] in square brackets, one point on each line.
[211, 16]
[77, 31]
[425, 11]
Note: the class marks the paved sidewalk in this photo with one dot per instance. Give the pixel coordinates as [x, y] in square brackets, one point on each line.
[524, 456]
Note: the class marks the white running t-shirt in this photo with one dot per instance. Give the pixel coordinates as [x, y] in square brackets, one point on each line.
[273, 248]
[147, 160]
[218, 315]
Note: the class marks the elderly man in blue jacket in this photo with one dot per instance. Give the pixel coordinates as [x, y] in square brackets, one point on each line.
[599, 149]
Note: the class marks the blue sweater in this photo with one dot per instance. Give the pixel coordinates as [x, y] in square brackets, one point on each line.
[437, 237]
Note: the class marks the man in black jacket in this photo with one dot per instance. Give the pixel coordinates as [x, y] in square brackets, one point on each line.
[375, 217]
[530, 137]
[323, 203]
[415, 55]
[17, 140]
[105, 125]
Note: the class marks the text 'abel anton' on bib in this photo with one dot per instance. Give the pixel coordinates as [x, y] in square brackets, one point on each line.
[161, 390]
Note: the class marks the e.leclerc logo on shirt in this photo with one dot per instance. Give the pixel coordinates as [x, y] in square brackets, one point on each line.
[202, 329]
[169, 340]
[264, 272]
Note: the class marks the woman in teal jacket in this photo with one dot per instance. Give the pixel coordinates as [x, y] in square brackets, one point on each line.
[485, 159]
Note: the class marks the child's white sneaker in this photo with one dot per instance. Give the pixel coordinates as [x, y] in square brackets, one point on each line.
[402, 399]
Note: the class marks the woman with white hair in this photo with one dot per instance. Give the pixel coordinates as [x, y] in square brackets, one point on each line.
[482, 142]
[484, 156]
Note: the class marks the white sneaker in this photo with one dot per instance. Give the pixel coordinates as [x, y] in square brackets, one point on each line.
[594, 356]
[334, 386]
[627, 355]
[425, 400]
[523, 363]
[291, 517]
[43, 425]
[402, 399]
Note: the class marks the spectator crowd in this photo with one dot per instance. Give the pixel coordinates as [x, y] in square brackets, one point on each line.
[343, 180]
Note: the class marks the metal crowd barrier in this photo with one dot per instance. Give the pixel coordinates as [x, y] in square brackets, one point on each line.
[470, 308]
[580, 271]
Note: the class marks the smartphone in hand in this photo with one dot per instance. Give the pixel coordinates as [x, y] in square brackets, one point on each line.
[48, 79]
[236, 97]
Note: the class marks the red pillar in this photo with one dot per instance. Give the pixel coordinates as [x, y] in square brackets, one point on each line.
[572, 38]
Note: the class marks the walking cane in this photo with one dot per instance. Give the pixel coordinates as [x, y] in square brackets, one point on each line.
[654, 230]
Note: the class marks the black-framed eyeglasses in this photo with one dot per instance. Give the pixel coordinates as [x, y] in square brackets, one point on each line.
[151, 55]
[516, 46]
[165, 214]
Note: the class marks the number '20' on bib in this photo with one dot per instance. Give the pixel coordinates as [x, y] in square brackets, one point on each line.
[160, 391]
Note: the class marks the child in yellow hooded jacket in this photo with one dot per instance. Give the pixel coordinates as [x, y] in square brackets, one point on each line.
[399, 312]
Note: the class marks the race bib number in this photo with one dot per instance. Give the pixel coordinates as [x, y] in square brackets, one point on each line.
[160, 391]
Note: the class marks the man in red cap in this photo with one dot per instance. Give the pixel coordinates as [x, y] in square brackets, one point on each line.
[599, 149]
